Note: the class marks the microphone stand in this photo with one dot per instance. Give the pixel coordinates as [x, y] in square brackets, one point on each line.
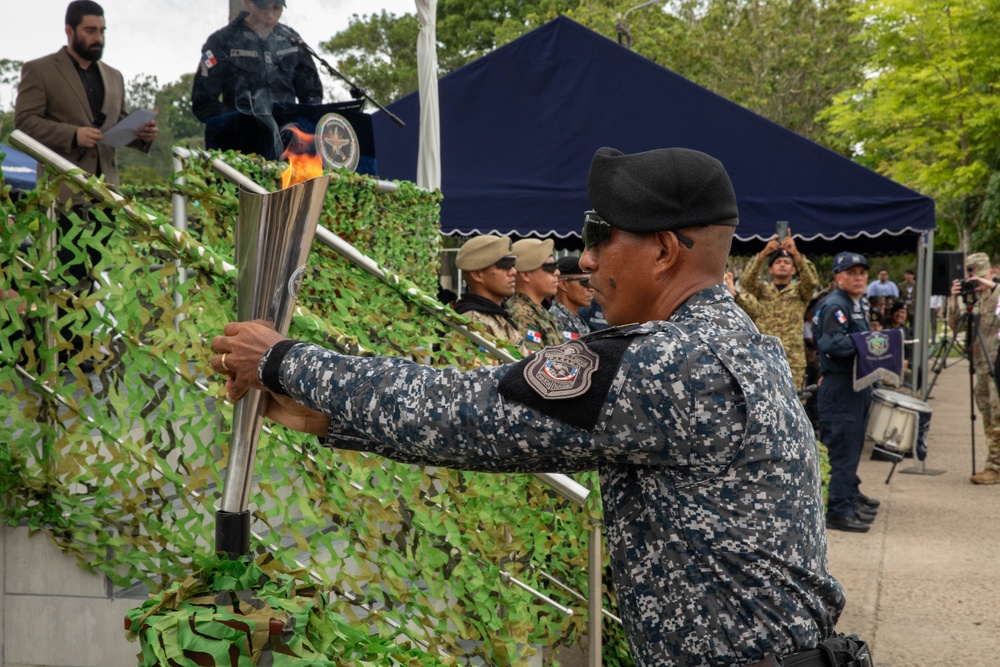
[357, 92]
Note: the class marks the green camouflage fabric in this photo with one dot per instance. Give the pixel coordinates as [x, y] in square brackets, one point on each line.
[749, 304]
[535, 323]
[242, 612]
[501, 328]
[987, 399]
[782, 312]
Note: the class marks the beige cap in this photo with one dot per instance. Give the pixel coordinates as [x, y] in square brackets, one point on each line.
[482, 252]
[532, 253]
[980, 261]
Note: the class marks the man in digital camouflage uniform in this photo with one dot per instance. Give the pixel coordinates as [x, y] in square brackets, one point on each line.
[708, 467]
[574, 294]
[487, 264]
[977, 268]
[537, 280]
[782, 302]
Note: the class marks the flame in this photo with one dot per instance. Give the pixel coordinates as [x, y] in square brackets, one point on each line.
[303, 161]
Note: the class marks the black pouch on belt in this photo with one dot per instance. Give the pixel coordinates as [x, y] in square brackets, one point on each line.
[847, 651]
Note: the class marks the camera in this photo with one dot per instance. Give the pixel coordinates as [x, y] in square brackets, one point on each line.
[968, 289]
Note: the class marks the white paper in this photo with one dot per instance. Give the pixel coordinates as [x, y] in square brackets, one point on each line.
[123, 133]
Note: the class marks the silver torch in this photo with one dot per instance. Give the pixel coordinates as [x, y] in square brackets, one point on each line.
[273, 235]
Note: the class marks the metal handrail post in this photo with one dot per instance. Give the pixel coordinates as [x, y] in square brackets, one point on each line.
[595, 600]
[180, 222]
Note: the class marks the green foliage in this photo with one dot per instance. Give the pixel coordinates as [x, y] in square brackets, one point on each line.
[929, 114]
[121, 466]
[259, 611]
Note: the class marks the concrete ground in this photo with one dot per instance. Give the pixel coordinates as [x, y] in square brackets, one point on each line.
[922, 583]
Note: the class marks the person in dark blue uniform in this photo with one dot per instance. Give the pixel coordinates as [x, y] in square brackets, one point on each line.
[253, 65]
[843, 412]
[709, 467]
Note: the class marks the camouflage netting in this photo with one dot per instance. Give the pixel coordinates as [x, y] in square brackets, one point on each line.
[121, 466]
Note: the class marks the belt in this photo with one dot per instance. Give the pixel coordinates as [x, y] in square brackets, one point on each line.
[812, 657]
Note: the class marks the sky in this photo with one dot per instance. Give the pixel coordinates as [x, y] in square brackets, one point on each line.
[164, 37]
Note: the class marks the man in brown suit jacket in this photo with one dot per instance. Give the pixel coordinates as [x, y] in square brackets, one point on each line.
[66, 100]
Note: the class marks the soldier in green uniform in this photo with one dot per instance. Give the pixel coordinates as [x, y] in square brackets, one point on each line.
[487, 264]
[783, 301]
[977, 268]
[537, 280]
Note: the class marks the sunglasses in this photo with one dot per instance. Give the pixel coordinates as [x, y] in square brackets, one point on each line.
[506, 263]
[549, 267]
[596, 231]
[583, 281]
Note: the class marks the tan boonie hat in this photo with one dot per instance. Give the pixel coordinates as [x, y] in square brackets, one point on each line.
[532, 253]
[481, 252]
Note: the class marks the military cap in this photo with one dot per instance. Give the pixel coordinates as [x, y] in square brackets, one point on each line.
[532, 253]
[778, 254]
[482, 252]
[264, 3]
[979, 261]
[662, 189]
[846, 260]
[569, 265]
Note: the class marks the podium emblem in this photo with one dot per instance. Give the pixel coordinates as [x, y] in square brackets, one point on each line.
[337, 142]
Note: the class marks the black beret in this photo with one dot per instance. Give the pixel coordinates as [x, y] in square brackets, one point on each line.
[569, 265]
[777, 254]
[662, 189]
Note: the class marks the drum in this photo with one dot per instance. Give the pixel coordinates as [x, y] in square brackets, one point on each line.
[898, 423]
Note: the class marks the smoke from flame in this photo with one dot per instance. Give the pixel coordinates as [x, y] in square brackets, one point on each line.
[303, 161]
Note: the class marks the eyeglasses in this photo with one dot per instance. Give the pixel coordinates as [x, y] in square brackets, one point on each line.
[596, 231]
[506, 263]
[549, 267]
[583, 280]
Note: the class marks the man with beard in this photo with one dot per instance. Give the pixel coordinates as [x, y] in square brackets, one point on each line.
[487, 265]
[68, 99]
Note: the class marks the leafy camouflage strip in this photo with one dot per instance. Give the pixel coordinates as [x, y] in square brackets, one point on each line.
[230, 612]
[121, 466]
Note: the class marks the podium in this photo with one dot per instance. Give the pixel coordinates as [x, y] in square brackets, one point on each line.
[268, 135]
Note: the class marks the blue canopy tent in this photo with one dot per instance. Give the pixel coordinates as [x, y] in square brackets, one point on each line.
[520, 125]
[18, 168]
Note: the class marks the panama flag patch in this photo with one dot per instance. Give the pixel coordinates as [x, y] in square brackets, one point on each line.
[533, 336]
[839, 314]
[208, 59]
[570, 335]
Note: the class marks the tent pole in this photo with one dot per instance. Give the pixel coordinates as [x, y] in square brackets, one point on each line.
[922, 312]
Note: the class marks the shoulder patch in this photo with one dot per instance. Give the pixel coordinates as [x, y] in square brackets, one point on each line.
[839, 314]
[562, 371]
[568, 382]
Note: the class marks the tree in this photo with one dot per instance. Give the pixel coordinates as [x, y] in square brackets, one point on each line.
[929, 114]
[10, 75]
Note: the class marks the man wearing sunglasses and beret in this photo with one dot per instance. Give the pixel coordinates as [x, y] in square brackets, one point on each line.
[537, 281]
[574, 293]
[487, 265]
[708, 466]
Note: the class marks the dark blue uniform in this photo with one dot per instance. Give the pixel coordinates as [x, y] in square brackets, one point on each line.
[252, 74]
[708, 465]
[843, 412]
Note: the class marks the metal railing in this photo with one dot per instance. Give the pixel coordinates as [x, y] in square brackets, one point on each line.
[175, 236]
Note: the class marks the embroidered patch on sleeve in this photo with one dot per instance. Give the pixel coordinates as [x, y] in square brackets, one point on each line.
[839, 314]
[533, 336]
[563, 371]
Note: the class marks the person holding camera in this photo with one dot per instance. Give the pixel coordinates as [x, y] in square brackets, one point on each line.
[980, 295]
[782, 302]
